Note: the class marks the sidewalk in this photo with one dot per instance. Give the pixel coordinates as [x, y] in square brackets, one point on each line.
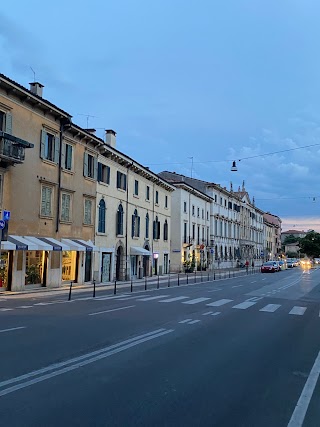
[216, 274]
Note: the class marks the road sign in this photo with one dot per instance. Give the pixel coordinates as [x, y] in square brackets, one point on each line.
[212, 251]
[2, 224]
[262, 253]
[6, 215]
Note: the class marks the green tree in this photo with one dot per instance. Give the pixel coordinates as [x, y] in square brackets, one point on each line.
[310, 244]
[290, 239]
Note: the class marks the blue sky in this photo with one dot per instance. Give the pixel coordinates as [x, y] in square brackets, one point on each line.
[213, 80]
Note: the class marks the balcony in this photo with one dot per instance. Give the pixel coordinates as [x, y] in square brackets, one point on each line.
[12, 149]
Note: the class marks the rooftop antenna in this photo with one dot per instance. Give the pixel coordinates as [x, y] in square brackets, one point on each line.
[34, 74]
[87, 116]
[191, 165]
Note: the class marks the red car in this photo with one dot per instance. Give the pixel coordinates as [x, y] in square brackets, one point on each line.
[269, 267]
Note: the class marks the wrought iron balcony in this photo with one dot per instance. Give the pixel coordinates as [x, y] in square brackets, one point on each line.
[12, 149]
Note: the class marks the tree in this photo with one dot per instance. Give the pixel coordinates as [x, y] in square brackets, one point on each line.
[310, 244]
[290, 239]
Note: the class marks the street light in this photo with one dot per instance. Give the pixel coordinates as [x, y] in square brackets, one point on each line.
[234, 167]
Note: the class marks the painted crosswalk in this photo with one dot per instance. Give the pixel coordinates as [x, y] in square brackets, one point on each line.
[298, 311]
[219, 303]
[174, 299]
[244, 305]
[195, 301]
[270, 308]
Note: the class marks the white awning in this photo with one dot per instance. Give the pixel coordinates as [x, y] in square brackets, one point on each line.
[87, 244]
[56, 244]
[41, 246]
[135, 250]
[8, 246]
[73, 246]
[22, 244]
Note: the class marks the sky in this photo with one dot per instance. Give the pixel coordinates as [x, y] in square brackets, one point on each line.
[202, 81]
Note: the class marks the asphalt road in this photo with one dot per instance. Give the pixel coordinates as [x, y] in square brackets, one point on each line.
[237, 352]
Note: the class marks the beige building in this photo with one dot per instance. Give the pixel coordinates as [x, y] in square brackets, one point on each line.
[272, 236]
[133, 218]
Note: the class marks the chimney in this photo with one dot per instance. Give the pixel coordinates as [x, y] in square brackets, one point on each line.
[111, 138]
[36, 88]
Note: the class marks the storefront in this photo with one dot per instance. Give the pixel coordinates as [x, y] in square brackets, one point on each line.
[138, 261]
[77, 262]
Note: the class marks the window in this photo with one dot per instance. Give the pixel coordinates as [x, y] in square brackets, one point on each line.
[165, 230]
[215, 227]
[2, 120]
[136, 187]
[147, 226]
[67, 154]
[203, 238]
[135, 230]
[207, 215]
[102, 217]
[46, 201]
[193, 231]
[120, 220]
[202, 213]
[103, 173]
[121, 180]
[185, 207]
[207, 236]
[185, 232]
[198, 239]
[49, 149]
[193, 210]
[147, 192]
[225, 203]
[221, 201]
[157, 197]
[156, 229]
[87, 212]
[90, 166]
[65, 207]
[198, 212]
[166, 201]
[215, 198]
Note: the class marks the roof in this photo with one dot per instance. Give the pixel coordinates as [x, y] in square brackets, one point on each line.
[190, 189]
[294, 232]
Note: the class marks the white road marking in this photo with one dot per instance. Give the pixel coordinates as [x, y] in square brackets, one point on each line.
[109, 311]
[298, 311]
[174, 299]
[152, 298]
[301, 408]
[270, 308]
[215, 290]
[80, 361]
[25, 306]
[253, 281]
[216, 313]
[219, 302]
[44, 303]
[195, 301]
[84, 298]
[244, 305]
[263, 279]
[237, 286]
[12, 329]
[185, 321]
[6, 309]
[193, 322]
[210, 312]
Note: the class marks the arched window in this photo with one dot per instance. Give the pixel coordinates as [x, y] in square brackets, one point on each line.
[135, 230]
[230, 252]
[102, 217]
[147, 226]
[120, 220]
[165, 230]
[156, 229]
[216, 254]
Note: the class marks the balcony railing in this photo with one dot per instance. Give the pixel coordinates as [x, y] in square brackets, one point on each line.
[12, 148]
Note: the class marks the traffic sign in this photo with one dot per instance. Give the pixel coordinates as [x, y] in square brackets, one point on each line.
[262, 253]
[6, 215]
[212, 251]
[2, 224]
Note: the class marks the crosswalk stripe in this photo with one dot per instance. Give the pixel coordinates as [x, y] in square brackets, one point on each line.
[6, 309]
[298, 311]
[244, 305]
[207, 313]
[25, 306]
[193, 322]
[174, 299]
[219, 302]
[185, 321]
[44, 303]
[152, 298]
[216, 313]
[195, 301]
[270, 308]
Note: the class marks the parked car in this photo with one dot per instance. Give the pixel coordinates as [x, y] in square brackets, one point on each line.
[290, 264]
[269, 267]
[283, 265]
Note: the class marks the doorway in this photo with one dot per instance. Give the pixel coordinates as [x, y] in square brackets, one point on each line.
[105, 267]
[119, 257]
[87, 266]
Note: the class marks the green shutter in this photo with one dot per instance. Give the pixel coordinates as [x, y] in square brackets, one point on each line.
[108, 174]
[99, 171]
[43, 201]
[85, 164]
[43, 144]
[132, 225]
[95, 168]
[138, 234]
[64, 153]
[9, 123]
[118, 179]
[124, 182]
[56, 149]
[69, 157]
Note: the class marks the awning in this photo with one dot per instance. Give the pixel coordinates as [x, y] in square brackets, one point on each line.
[73, 246]
[41, 246]
[56, 244]
[22, 243]
[135, 250]
[8, 246]
[87, 244]
[104, 249]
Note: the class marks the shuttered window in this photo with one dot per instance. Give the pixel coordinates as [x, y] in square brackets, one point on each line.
[87, 212]
[67, 155]
[49, 147]
[46, 201]
[119, 222]
[90, 166]
[148, 193]
[103, 173]
[65, 207]
[102, 217]
[165, 230]
[121, 180]
[156, 229]
[147, 226]
[135, 231]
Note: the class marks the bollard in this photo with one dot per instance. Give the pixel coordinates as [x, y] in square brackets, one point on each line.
[115, 287]
[169, 281]
[201, 276]
[94, 288]
[145, 283]
[195, 276]
[229, 274]
[69, 299]
[208, 276]
[214, 275]
[187, 279]
[178, 280]
[158, 283]
[131, 285]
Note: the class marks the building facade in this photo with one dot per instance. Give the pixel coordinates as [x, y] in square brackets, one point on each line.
[272, 236]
